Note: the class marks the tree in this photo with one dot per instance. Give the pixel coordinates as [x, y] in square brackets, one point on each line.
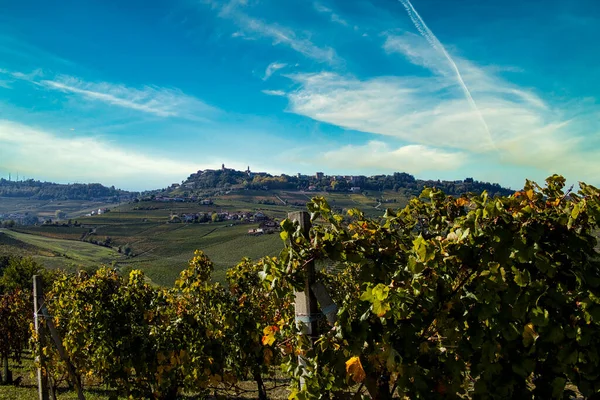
[60, 214]
[9, 223]
[19, 272]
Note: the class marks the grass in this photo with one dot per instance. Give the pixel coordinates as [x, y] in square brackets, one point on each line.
[168, 248]
[162, 250]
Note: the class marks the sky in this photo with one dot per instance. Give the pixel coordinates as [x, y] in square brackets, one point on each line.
[140, 94]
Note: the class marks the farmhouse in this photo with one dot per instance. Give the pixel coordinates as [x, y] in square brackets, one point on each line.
[259, 216]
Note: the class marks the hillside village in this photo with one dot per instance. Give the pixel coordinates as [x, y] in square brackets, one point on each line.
[201, 184]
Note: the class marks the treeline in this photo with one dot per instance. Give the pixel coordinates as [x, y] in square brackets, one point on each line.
[447, 298]
[398, 181]
[54, 191]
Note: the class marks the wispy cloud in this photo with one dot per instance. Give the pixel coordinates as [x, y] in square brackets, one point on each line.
[332, 15]
[155, 100]
[272, 68]
[31, 76]
[274, 92]
[280, 35]
[95, 160]
[162, 102]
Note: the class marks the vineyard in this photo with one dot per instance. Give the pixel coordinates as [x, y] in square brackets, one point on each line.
[447, 298]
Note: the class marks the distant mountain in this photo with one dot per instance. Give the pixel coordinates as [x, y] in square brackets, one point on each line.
[32, 189]
[224, 178]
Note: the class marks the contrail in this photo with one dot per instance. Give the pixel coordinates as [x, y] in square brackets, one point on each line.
[436, 44]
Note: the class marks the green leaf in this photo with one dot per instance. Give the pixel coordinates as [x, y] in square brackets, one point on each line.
[521, 278]
[380, 308]
[576, 210]
[380, 292]
[367, 295]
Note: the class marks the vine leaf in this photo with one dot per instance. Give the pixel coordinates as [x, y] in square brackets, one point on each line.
[354, 369]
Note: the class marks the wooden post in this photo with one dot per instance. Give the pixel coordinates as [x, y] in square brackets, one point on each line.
[328, 307]
[306, 307]
[38, 303]
[75, 379]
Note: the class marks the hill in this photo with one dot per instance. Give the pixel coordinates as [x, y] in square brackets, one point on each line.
[37, 190]
[224, 179]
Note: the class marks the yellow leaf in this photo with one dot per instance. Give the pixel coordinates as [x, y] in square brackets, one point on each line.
[462, 202]
[529, 194]
[269, 335]
[529, 335]
[355, 369]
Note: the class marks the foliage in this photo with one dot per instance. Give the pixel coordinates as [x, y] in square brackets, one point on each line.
[470, 297]
[258, 316]
[19, 272]
[16, 306]
[146, 342]
[15, 311]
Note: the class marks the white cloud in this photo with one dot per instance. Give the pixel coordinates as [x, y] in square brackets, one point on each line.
[274, 66]
[431, 110]
[278, 34]
[282, 35]
[23, 76]
[159, 101]
[274, 92]
[38, 153]
[162, 102]
[326, 10]
[377, 155]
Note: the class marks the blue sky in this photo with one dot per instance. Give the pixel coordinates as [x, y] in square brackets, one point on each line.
[140, 94]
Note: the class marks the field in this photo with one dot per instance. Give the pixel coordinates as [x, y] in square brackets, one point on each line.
[161, 248]
[48, 208]
[54, 253]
